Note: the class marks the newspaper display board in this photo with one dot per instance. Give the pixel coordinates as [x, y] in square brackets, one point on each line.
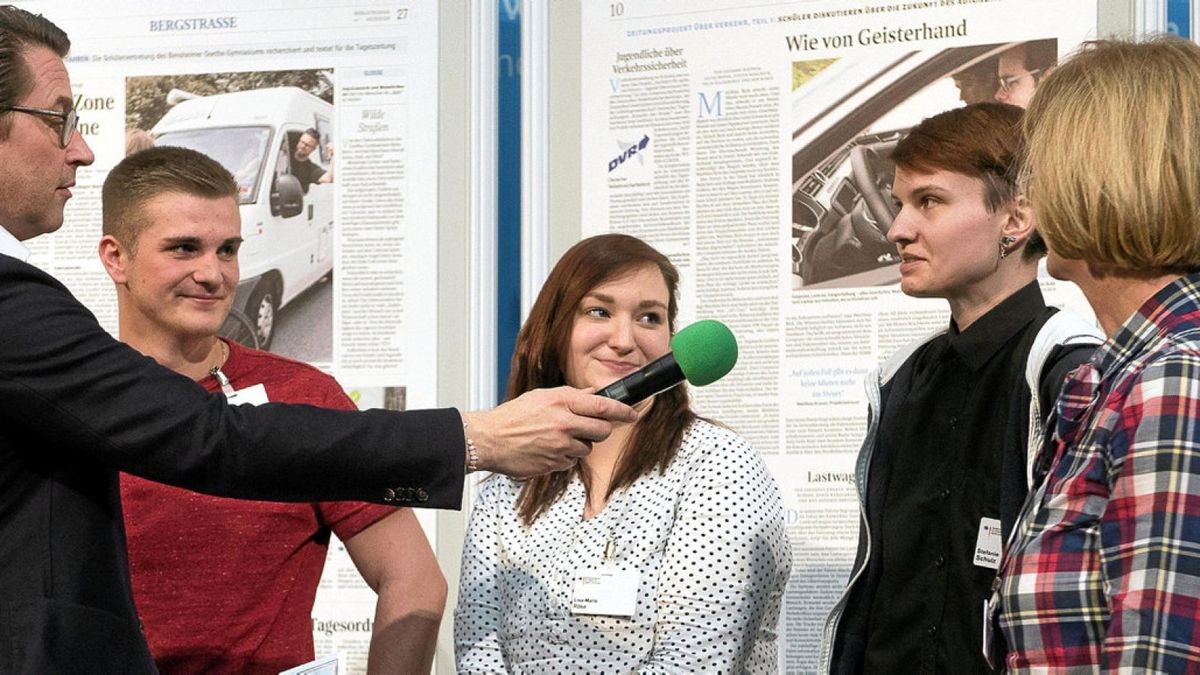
[749, 141]
[347, 283]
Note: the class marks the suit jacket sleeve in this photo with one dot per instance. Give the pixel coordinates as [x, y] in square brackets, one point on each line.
[69, 390]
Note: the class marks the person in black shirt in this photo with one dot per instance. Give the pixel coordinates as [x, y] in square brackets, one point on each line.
[944, 468]
[303, 168]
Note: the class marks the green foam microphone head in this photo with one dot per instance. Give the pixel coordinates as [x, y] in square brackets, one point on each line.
[705, 351]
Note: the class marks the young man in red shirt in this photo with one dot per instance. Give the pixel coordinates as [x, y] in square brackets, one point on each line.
[225, 585]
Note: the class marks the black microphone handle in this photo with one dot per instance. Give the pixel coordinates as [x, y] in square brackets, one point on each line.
[657, 376]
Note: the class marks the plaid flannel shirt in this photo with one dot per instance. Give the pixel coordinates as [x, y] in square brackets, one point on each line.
[1104, 568]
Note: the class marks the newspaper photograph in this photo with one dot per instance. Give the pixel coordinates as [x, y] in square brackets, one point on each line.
[842, 204]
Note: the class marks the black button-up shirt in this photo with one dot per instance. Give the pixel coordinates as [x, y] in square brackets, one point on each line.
[946, 443]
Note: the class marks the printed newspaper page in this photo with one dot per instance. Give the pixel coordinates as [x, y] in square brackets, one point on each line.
[339, 260]
[342, 273]
[750, 142]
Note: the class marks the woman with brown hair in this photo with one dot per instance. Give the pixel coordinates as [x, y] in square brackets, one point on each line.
[664, 548]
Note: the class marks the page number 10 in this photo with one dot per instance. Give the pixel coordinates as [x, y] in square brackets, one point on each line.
[618, 8]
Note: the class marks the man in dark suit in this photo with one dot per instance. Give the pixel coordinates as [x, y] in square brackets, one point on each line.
[76, 406]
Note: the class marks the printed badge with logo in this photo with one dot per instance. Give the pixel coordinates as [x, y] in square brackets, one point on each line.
[608, 591]
[988, 544]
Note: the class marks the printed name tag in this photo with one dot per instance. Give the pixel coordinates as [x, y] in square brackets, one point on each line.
[607, 591]
[256, 395]
[988, 544]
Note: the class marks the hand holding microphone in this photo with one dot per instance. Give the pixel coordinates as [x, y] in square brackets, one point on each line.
[548, 429]
[542, 430]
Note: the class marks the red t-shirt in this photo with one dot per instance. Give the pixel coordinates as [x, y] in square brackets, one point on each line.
[227, 585]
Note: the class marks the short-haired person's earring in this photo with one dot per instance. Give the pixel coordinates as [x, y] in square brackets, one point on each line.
[1005, 242]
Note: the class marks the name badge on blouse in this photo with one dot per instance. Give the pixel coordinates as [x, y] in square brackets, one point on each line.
[608, 591]
[255, 395]
[988, 544]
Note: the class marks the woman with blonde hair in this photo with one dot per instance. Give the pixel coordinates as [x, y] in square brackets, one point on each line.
[664, 549]
[1104, 569]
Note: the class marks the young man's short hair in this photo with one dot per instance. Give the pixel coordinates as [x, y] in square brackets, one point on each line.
[149, 173]
[981, 140]
[1113, 165]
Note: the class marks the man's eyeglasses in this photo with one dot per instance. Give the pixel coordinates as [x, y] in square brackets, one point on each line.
[1006, 83]
[69, 120]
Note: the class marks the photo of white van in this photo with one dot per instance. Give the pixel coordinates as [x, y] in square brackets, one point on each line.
[287, 218]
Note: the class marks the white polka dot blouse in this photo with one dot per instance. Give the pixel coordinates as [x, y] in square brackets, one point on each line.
[703, 544]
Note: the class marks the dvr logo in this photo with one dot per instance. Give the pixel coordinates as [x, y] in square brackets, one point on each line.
[628, 152]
